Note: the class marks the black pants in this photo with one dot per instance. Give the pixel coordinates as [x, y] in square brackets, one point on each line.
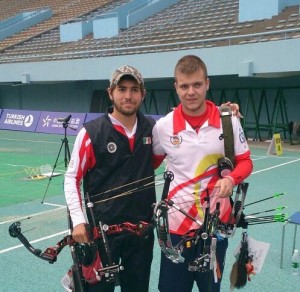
[177, 278]
[135, 255]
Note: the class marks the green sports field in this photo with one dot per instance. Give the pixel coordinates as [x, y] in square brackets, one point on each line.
[25, 156]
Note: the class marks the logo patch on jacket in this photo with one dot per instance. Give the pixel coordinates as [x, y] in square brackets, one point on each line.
[111, 147]
[242, 136]
[147, 140]
[176, 140]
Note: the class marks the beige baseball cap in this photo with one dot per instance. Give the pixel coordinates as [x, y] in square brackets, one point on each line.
[126, 70]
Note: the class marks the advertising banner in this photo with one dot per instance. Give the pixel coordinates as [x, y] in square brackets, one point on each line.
[19, 120]
[92, 116]
[58, 122]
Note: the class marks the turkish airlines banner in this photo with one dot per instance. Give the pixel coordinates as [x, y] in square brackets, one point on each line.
[59, 122]
[47, 122]
[19, 120]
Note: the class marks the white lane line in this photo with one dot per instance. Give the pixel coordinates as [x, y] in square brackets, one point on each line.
[37, 214]
[16, 165]
[32, 215]
[256, 157]
[272, 167]
[34, 241]
[55, 205]
[61, 207]
[49, 211]
[259, 158]
[30, 141]
[47, 237]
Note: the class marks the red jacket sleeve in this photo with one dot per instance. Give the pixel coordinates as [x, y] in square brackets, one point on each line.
[243, 168]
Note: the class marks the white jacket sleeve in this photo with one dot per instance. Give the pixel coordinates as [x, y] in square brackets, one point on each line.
[157, 148]
[73, 178]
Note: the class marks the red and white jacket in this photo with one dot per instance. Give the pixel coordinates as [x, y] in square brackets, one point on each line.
[192, 157]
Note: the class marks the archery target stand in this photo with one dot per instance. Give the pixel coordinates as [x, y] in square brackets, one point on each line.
[275, 147]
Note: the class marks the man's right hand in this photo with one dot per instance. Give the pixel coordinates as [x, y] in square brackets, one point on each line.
[79, 233]
[235, 108]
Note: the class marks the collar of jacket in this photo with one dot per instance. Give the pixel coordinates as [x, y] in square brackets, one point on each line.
[179, 122]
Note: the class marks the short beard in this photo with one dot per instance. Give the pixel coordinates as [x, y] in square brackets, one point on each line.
[127, 113]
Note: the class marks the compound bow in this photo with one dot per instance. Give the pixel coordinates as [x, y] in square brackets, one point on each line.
[211, 228]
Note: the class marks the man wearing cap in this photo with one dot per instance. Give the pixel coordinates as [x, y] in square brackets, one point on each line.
[112, 156]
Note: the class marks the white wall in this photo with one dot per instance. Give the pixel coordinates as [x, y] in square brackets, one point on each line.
[276, 57]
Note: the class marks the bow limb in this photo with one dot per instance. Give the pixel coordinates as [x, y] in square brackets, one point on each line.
[50, 254]
[163, 233]
[239, 201]
[168, 177]
[160, 217]
[237, 218]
